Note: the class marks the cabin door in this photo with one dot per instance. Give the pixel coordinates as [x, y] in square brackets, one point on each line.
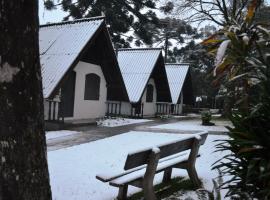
[68, 93]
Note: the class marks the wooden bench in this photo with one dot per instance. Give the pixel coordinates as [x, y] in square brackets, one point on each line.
[141, 166]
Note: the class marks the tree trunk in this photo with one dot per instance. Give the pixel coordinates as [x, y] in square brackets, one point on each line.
[23, 161]
[166, 47]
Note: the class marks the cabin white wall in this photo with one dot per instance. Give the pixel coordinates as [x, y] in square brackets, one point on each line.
[149, 108]
[85, 109]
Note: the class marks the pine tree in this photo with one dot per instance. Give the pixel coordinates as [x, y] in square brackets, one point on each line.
[201, 65]
[122, 16]
[176, 30]
[23, 163]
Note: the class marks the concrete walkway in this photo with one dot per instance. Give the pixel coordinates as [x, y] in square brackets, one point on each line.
[92, 132]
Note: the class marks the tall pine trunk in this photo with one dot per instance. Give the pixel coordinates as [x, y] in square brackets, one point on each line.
[23, 161]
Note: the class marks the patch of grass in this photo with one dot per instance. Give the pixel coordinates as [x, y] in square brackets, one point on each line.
[163, 190]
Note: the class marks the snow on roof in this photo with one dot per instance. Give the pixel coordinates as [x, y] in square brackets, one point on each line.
[136, 66]
[176, 74]
[59, 46]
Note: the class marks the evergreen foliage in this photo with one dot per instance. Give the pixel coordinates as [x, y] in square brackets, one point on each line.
[174, 32]
[201, 64]
[122, 16]
[242, 60]
[249, 164]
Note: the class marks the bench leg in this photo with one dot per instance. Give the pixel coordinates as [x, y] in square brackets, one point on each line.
[122, 193]
[191, 162]
[148, 179]
[149, 193]
[167, 175]
[194, 177]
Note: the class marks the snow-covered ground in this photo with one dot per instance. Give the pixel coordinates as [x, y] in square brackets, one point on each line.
[57, 134]
[120, 122]
[73, 170]
[195, 125]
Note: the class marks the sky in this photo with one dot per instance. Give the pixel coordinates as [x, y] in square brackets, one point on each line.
[46, 16]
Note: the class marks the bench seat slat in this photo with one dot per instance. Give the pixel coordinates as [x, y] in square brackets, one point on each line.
[121, 181]
[108, 177]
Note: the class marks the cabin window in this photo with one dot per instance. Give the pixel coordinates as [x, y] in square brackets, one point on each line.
[149, 93]
[92, 87]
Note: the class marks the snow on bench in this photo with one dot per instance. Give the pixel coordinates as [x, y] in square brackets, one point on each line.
[141, 166]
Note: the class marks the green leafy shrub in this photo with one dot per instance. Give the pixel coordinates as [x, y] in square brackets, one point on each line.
[243, 61]
[206, 117]
[248, 165]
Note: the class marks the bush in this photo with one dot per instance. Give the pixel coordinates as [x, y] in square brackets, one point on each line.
[248, 165]
[206, 117]
[242, 52]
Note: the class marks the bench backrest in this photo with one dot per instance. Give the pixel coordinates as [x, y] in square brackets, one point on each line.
[142, 157]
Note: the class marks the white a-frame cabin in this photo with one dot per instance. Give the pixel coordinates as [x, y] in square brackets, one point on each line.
[180, 83]
[143, 71]
[80, 71]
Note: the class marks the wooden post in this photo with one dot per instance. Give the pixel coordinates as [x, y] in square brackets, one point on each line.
[49, 117]
[54, 106]
[120, 108]
[122, 193]
[142, 110]
[192, 160]
[111, 108]
[115, 109]
[148, 187]
[167, 175]
[62, 109]
[108, 104]
[58, 111]
[131, 110]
